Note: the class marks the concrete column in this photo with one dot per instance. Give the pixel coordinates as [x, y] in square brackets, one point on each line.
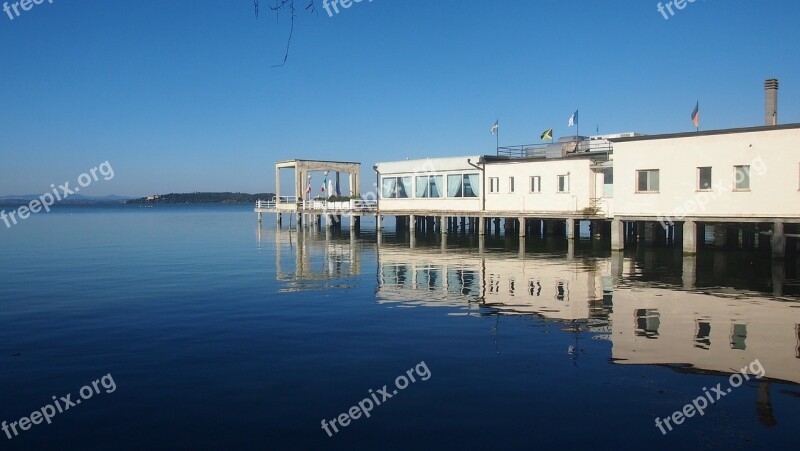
[689, 237]
[778, 241]
[522, 227]
[277, 183]
[522, 247]
[617, 263]
[689, 274]
[778, 278]
[412, 223]
[443, 225]
[617, 235]
[569, 225]
[378, 223]
[481, 226]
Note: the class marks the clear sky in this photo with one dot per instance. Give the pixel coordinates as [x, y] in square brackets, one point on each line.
[181, 95]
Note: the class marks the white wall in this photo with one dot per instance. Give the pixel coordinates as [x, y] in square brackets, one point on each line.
[774, 157]
[581, 186]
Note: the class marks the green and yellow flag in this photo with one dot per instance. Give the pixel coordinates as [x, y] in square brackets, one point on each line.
[548, 134]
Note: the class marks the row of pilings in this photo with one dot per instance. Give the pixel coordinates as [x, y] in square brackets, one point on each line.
[777, 239]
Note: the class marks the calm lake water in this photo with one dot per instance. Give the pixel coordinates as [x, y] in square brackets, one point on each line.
[218, 334]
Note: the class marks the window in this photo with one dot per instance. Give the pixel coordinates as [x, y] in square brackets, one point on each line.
[494, 185]
[395, 187]
[608, 182]
[463, 185]
[647, 181]
[511, 184]
[647, 323]
[704, 179]
[430, 186]
[536, 184]
[702, 339]
[742, 177]
[738, 336]
[563, 183]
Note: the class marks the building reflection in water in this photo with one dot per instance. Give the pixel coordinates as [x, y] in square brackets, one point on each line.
[655, 308]
[313, 258]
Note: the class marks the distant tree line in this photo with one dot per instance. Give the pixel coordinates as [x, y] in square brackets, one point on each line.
[202, 198]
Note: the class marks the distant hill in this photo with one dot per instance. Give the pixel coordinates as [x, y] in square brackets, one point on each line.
[202, 198]
[21, 199]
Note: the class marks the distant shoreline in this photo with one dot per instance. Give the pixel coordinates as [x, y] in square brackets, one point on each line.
[201, 198]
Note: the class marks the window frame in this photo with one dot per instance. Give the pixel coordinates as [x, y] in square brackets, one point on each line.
[538, 179]
[699, 186]
[736, 180]
[566, 184]
[649, 189]
[494, 185]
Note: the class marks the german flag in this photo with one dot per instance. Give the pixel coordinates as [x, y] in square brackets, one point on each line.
[696, 115]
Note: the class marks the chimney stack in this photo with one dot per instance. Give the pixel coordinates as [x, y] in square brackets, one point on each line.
[771, 88]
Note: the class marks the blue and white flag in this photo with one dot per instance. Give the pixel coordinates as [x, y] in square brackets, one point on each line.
[495, 127]
[573, 120]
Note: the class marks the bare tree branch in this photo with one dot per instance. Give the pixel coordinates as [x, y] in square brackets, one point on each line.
[290, 6]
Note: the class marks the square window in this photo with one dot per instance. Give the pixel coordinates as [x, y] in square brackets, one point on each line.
[647, 181]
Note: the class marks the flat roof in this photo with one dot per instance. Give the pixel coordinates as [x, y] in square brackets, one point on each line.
[316, 161]
[727, 131]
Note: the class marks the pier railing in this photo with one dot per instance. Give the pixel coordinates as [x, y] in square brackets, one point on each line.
[351, 206]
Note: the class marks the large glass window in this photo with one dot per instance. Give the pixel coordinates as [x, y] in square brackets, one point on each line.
[430, 186]
[742, 177]
[463, 185]
[647, 181]
[395, 187]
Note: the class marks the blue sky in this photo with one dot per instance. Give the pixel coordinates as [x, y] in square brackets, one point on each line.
[181, 96]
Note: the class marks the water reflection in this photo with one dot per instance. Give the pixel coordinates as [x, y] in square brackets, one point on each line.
[713, 313]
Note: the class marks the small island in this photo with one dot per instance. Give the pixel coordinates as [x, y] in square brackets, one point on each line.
[202, 198]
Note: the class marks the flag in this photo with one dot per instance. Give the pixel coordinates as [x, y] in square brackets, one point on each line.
[548, 134]
[696, 115]
[323, 187]
[308, 190]
[495, 127]
[573, 120]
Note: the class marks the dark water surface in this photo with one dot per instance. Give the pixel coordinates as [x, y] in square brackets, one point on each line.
[218, 334]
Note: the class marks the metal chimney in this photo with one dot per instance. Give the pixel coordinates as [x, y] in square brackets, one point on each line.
[771, 88]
